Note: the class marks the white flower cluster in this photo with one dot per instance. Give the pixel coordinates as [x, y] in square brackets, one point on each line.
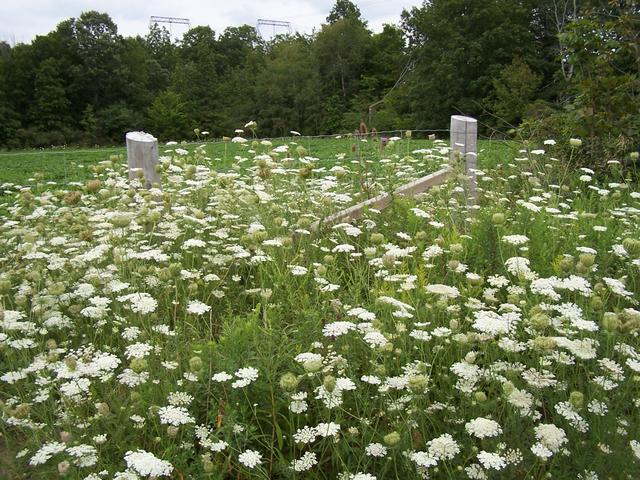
[175, 416]
[147, 464]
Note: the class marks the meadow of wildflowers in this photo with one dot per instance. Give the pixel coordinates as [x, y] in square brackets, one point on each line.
[205, 331]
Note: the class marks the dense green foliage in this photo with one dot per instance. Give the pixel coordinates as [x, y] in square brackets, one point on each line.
[564, 67]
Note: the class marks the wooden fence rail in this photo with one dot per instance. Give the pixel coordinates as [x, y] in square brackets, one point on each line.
[464, 139]
[384, 199]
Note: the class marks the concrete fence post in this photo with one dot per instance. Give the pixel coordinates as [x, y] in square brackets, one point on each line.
[142, 156]
[464, 139]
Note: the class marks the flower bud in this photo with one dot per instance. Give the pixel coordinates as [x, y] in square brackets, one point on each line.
[508, 387]
[195, 364]
[388, 259]
[582, 269]
[544, 343]
[63, 467]
[138, 364]
[587, 259]
[71, 363]
[480, 397]
[329, 383]
[289, 382]
[22, 410]
[135, 397]
[392, 438]
[575, 142]
[102, 408]
[312, 366]
[418, 383]
[456, 249]
[57, 288]
[576, 399]
[610, 321]
[207, 463]
[596, 302]
[540, 320]
[266, 293]
[566, 264]
[380, 370]
[5, 286]
[377, 238]
[632, 246]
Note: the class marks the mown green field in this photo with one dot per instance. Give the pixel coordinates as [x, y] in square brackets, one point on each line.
[62, 166]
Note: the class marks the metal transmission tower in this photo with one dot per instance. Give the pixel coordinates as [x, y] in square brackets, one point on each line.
[170, 20]
[262, 22]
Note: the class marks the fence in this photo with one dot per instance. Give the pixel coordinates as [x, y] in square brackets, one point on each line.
[463, 133]
[463, 141]
[142, 155]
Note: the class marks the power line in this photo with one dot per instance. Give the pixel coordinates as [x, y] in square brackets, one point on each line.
[215, 142]
[407, 68]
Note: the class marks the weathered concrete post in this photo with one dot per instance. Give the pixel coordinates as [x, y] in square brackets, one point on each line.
[142, 155]
[464, 139]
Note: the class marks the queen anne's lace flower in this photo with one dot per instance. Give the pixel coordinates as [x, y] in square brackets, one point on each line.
[483, 428]
[491, 460]
[250, 458]
[375, 450]
[196, 307]
[443, 447]
[147, 464]
[550, 440]
[304, 463]
[175, 416]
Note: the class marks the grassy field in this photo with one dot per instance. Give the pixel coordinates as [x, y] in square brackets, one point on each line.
[209, 331]
[62, 166]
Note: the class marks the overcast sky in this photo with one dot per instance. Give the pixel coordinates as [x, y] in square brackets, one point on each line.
[22, 20]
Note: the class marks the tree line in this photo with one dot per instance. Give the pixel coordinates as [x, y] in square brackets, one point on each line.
[556, 67]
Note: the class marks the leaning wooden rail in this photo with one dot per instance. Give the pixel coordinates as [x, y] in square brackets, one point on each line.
[384, 199]
[464, 138]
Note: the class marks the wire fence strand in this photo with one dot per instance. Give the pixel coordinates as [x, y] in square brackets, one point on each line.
[220, 140]
[217, 141]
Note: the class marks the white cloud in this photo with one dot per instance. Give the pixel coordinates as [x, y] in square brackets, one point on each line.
[21, 21]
